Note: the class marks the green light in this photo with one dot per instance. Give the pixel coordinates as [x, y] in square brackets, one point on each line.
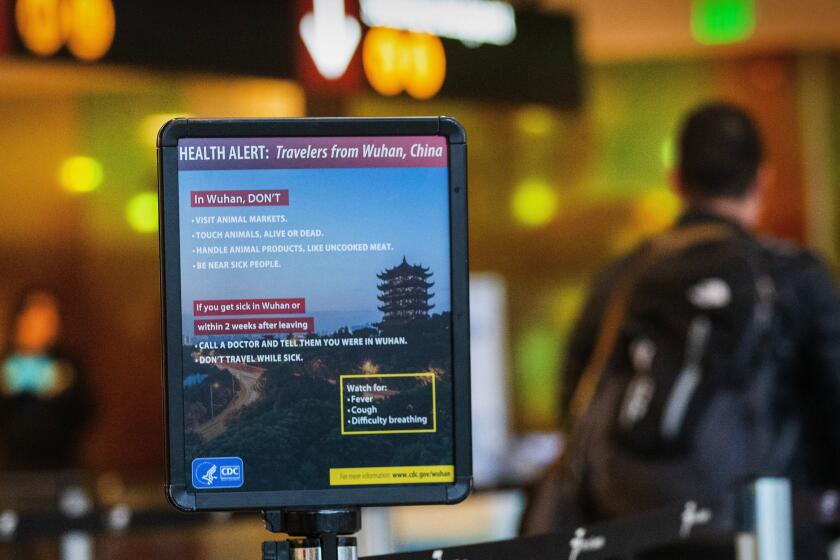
[142, 212]
[534, 202]
[716, 22]
[537, 356]
[80, 174]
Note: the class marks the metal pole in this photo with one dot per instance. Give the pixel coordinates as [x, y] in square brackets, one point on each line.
[76, 545]
[766, 531]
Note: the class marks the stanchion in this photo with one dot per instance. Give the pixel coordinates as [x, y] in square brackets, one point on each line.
[766, 524]
[759, 516]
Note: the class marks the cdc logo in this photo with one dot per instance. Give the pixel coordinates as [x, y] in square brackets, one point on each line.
[217, 472]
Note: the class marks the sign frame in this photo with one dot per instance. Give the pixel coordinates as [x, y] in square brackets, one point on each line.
[178, 489]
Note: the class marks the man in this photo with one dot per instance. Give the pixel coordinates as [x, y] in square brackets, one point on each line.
[721, 179]
[44, 403]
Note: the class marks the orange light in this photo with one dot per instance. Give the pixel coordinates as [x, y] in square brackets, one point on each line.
[86, 26]
[395, 61]
[93, 28]
[38, 323]
[42, 25]
[655, 211]
[428, 62]
[381, 60]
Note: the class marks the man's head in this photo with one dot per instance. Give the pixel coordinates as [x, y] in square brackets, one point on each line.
[36, 322]
[721, 161]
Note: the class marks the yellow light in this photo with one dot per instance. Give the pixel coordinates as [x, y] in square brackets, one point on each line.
[428, 65]
[534, 203]
[150, 125]
[142, 212]
[381, 59]
[80, 174]
[43, 25]
[655, 210]
[368, 367]
[535, 120]
[93, 26]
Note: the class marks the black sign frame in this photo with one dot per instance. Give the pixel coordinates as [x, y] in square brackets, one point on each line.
[178, 487]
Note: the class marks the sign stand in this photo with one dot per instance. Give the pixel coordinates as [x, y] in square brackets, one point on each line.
[320, 534]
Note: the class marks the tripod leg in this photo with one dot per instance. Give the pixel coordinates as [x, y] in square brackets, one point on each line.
[275, 550]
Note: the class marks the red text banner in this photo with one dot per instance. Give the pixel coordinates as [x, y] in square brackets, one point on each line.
[208, 327]
[274, 306]
[262, 197]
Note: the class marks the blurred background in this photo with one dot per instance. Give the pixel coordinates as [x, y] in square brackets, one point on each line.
[571, 107]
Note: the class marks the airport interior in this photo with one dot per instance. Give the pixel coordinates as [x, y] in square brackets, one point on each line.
[572, 111]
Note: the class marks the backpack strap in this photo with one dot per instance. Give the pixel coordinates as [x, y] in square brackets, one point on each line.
[672, 242]
[776, 445]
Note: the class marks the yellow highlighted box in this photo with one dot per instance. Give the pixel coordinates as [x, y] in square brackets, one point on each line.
[430, 375]
[392, 475]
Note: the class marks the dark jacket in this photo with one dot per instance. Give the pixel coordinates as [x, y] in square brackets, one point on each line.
[808, 312]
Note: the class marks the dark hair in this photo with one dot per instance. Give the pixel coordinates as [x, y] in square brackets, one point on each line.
[720, 151]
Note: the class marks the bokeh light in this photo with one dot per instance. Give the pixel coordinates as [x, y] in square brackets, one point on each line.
[42, 25]
[92, 30]
[534, 202]
[395, 61]
[655, 211]
[80, 174]
[535, 120]
[716, 22]
[87, 27]
[428, 65]
[142, 212]
[382, 57]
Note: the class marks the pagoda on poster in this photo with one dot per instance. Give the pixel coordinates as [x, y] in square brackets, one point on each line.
[404, 294]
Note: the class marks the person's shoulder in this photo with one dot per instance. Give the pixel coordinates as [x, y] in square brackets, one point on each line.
[791, 260]
[617, 266]
[779, 247]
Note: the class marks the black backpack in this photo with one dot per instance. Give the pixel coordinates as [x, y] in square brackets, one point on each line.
[677, 401]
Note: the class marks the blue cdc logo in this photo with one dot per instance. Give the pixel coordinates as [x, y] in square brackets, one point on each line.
[217, 472]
